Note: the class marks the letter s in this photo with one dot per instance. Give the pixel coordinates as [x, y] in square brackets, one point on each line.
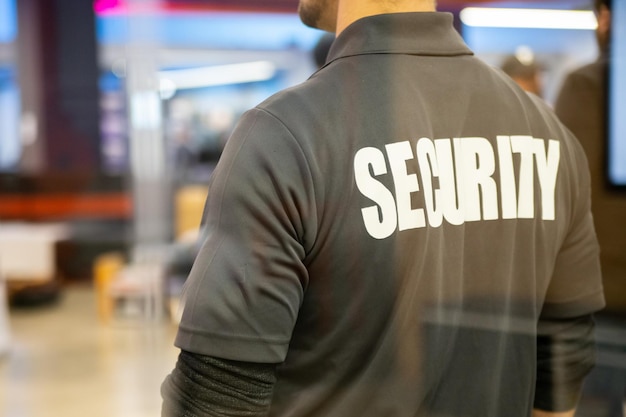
[381, 220]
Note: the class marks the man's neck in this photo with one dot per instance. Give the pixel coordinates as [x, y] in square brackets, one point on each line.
[350, 11]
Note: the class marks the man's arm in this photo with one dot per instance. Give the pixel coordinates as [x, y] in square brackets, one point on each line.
[565, 355]
[243, 294]
[205, 386]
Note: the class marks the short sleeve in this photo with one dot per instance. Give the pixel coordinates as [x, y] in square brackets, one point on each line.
[576, 285]
[243, 294]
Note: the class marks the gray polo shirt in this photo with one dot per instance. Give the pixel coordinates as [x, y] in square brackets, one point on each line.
[392, 230]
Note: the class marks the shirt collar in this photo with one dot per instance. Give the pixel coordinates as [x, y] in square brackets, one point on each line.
[420, 33]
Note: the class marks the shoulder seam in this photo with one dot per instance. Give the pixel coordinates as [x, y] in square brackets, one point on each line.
[299, 145]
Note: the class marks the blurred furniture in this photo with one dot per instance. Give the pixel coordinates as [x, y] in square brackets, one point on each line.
[5, 333]
[96, 210]
[188, 211]
[189, 206]
[106, 268]
[149, 285]
[27, 252]
[128, 291]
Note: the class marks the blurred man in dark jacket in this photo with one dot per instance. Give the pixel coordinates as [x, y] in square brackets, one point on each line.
[581, 106]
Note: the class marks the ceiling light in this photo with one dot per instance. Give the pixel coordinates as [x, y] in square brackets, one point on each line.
[529, 18]
[216, 75]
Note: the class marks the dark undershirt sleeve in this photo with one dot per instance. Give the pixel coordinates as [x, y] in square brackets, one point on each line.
[565, 355]
[205, 386]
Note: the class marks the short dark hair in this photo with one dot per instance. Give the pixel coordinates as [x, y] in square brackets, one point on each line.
[321, 48]
[513, 67]
[599, 3]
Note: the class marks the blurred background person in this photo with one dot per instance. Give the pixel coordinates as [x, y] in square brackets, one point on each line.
[581, 105]
[524, 70]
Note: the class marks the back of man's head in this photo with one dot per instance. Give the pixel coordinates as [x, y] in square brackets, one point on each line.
[603, 14]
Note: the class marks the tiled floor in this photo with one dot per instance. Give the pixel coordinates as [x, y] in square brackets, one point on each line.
[63, 362]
